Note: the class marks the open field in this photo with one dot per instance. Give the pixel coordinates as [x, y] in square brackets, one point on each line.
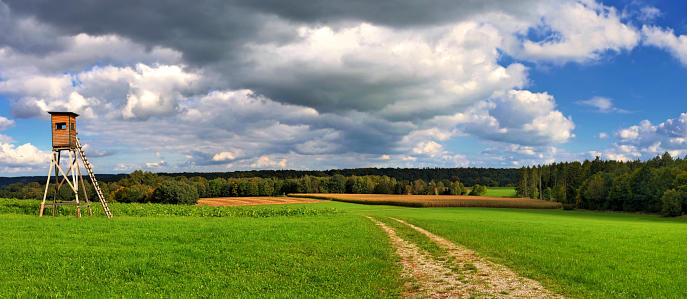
[435, 200]
[330, 251]
[578, 253]
[500, 192]
[295, 256]
[252, 201]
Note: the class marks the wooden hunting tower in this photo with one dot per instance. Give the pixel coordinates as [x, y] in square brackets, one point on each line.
[64, 138]
[63, 129]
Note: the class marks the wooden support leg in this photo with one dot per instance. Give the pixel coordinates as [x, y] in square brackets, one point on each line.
[85, 194]
[47, 184]
[57, 187]
[75, 182]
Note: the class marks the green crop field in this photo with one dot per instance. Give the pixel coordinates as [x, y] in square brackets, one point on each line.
[327, 250]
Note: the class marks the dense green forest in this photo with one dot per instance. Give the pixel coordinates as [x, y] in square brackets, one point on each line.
[656, 186]
[143, 186]
[491, 177]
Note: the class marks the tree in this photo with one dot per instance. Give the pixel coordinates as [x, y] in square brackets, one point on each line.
[337, 184]
[252, 188]
[559, 194]
[305, 185]
[662, 180]
[134, 193]
[215, 187]
[361, 185]
[456, 188]
[419, 187]
[522, 187]
[671, 203]
[641, 190]
[667, 160]
[139, 177]
[266, 187]
[478, 190]
[385, 186]
[546, 194]
[574, 178]
[621, 191]
[441, 189]
[533, 188]
[174, 192]
[594, 192]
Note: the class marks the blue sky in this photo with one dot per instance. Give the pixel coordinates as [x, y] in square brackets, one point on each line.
[254, 85]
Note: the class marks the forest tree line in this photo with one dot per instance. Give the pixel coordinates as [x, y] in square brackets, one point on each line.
[491, 177]
[658, 185]
[144, 186]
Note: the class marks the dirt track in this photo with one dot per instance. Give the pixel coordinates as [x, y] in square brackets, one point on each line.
[460, 274]
[252, 201]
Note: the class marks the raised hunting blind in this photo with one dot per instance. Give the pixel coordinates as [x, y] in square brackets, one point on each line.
[64, 139]
[63, 129]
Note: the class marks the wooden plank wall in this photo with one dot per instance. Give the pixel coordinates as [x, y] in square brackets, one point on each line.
[60, 138]
[72, 120]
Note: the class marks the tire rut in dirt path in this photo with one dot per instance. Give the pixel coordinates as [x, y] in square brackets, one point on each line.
[485, 278]
[426, 277]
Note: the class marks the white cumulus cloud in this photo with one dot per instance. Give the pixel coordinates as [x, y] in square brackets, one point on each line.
[5, 123]
[519, 117]
[665, 38]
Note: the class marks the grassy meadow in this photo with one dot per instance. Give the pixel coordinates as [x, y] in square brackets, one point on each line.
[329, 251]
[172, 256]
[501, 192]
[578, 253]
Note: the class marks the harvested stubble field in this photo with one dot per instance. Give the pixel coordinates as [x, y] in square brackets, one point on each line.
[436, 201]
[252, 201]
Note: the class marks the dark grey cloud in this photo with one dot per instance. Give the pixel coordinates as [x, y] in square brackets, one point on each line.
[395, 13]
[205, 32]
[27, 34]
[210, 31]
[215, 36]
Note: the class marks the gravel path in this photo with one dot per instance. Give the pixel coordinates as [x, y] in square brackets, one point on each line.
[460, 274]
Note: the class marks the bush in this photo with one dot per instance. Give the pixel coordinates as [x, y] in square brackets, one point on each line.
[546, 194]
[569, 206]
[671, 203]
[478, 190]
[134, 193]
[175, 192]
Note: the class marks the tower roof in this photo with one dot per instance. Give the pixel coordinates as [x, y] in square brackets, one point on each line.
[63, 113]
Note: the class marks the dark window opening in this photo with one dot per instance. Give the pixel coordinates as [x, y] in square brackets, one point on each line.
[60, 126]
[72, 127]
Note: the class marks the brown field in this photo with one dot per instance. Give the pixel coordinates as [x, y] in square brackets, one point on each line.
[436, 200]
[252, 201]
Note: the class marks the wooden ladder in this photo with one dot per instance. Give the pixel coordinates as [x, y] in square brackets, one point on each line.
[89, 168]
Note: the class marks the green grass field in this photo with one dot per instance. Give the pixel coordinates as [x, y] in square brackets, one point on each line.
[332, 254]
[500, 192]
[581, 254]
[195, 257]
